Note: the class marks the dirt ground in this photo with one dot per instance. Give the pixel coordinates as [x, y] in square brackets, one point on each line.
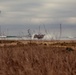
[37, 57]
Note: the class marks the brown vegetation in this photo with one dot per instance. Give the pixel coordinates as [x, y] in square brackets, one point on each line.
[38, 59]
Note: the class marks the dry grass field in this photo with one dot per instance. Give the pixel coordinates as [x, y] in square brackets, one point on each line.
[37, 58]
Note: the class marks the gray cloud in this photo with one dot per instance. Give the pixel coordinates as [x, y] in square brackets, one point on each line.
[33, 13]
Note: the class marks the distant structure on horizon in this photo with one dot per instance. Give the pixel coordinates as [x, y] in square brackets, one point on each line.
[39, 35]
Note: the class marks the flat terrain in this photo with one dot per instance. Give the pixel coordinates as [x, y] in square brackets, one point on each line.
[37, 57]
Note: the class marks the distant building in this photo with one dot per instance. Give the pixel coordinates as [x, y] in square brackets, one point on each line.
[39, 36]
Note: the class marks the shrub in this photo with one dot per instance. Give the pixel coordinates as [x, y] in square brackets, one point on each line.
[69, 49]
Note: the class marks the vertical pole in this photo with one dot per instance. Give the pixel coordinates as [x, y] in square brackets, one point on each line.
[0, 31]
[0, 26]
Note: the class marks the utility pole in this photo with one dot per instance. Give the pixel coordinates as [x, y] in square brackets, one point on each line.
[39, 30]
[0, 26]
[0, 31]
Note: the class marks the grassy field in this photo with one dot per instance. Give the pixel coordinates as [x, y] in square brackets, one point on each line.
[37, 57]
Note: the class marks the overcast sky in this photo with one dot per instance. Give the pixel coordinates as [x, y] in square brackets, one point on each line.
[19, 15]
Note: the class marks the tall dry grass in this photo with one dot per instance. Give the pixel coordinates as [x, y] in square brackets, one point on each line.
[33, 59]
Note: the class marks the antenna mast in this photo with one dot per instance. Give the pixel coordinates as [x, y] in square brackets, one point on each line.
[0, 31]
[0, 26]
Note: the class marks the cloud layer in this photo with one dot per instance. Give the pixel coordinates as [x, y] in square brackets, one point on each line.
[32, 12]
